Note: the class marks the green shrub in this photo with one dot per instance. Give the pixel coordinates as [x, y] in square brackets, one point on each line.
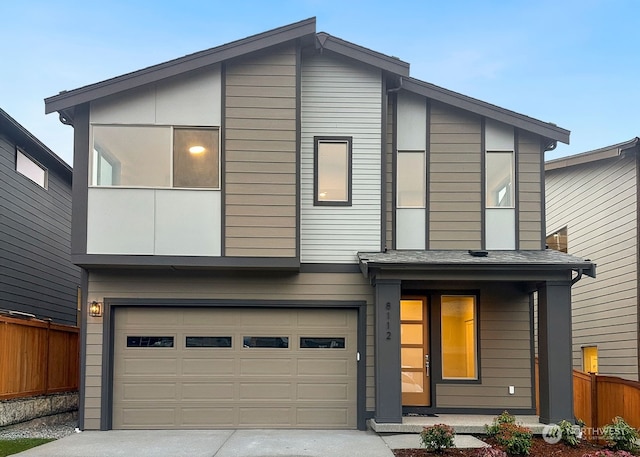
[569, 433]
[504, 418]
[516, 439]
[437, 437]
[620, 436]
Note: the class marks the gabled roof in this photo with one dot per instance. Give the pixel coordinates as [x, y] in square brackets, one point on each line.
[608, 152]
[305, 31]
[32, 145]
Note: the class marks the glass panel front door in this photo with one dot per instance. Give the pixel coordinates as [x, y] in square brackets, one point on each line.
[414, 341]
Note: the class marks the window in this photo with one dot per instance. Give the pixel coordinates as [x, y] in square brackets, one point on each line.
[558, 240]
[459, 344]
[332, 157]
[208, 342]
[499, 176]
[308, 342]
[411, 182]
[590, 359]
[155, 156]
[266, 341]
[28, 167]
[149, 341]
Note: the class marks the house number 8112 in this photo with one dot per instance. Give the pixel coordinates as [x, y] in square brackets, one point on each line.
[388, 307]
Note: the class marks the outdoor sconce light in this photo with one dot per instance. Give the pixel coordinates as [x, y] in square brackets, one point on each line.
[95, 309]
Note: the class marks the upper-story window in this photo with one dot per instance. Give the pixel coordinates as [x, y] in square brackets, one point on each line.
[558, 240]
[28, 167]
[151, 156]
[499, 165]
[411, 179]
[332, 184]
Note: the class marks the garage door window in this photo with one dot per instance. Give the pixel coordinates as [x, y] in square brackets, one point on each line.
[149, 341]
[310, 342]
[281, 342]
[208, 342]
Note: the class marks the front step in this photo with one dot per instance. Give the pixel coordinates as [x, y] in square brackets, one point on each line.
[462, 424]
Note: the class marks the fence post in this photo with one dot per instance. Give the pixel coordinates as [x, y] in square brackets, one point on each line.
[46, 359]
[594, 401]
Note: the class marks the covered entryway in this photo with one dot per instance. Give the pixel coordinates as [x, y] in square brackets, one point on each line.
[234, 367]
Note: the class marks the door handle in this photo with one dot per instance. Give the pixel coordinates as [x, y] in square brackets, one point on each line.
[427, 364]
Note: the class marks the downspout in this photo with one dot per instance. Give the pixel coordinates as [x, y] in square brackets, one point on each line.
[577, 278]
[396, 89]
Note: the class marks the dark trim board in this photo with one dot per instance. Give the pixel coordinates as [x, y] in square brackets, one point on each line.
[186, 262]
[406, 410]
[111, 304]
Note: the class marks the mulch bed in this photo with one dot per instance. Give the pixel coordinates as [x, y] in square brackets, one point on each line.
[540, 448]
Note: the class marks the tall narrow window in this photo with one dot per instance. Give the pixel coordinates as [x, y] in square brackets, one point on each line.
[458, 328]
[28, 167]
[411, 182]
[332, 185]
[499, 179]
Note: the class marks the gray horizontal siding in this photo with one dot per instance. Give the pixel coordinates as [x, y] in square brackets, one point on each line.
[36, 273]
[530, 188]
[597, 202]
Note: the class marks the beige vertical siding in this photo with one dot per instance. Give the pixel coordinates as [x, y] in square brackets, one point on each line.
[389, 175]
[260, 155]
[597, 203]
[530, 191]
[505, 354]
[455, 179]
[206, 285]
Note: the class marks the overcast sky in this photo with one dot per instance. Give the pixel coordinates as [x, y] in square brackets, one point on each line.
[574, 63]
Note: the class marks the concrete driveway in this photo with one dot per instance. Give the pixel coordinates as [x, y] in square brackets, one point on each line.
[216, 443]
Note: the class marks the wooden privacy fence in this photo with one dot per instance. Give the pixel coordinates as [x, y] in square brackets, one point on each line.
[37, 358]
[598, 399]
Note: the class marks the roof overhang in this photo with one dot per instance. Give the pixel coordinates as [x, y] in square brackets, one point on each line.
[545, 129]
[608, 152]
[475, 265]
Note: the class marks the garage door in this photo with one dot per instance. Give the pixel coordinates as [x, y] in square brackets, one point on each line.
[224, 367]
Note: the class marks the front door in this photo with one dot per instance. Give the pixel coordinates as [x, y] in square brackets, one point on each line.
[414, 344]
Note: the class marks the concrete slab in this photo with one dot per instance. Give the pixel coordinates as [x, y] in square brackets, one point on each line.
[139, 443]
[461, 423]
[412, 441]
[304, 443]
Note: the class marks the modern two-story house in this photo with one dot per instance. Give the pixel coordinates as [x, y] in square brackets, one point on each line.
[37, 277]
[592, 211]
[290, 231]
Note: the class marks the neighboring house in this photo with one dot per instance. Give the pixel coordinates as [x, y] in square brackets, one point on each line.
[37, 276]
[290, 231]
[592, 211]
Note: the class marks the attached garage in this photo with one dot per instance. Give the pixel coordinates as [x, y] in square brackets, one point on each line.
[196, 368]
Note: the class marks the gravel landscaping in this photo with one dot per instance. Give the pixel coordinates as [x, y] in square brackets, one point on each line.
[39, 428]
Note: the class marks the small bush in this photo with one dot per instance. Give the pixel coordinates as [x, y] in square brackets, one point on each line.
[516, 439]
[437, 437]
[620, 436]
[569, 433]
[489, 452]
[504, 418]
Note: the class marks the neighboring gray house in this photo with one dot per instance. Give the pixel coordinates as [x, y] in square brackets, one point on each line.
[36, 273]
[290, 231]
[592, 211]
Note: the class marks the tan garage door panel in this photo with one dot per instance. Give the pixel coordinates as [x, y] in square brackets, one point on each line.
[304, 378]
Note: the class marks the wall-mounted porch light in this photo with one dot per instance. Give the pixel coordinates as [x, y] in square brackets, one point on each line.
[95, 309]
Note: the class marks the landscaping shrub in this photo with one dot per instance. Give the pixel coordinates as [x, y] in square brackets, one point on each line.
[569, 433]
[607, 453]
[489, 452]
[437, 437]
[620, 436]
[516, 439]
[504, 418]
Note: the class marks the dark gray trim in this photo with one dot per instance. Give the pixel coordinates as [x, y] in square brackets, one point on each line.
[84, 285]
[543, 202]
[175, 262]
[223, 159]
[349, 141]
[387, 63]
[470, 411]
[80, 192]
[329, 268]
[110, 305]
[532, 348]
[383, 165]
[516, 186]
[394, 171]
[427, 182]
[435, 298]
[473, 105]
[181, 65]
[483, 184]
[298, 149]
[637, 170]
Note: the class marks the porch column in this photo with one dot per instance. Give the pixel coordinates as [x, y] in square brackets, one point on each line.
[554, 352]
[387, 352]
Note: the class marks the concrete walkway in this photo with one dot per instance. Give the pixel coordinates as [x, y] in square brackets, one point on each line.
[231, 443]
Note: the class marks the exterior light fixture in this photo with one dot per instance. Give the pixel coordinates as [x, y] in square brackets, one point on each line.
[95, 309]
[196, 149]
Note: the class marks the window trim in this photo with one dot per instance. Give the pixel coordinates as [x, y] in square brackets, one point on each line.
[45, 179]
[335, 139]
